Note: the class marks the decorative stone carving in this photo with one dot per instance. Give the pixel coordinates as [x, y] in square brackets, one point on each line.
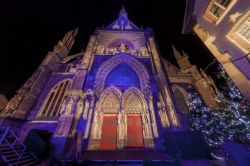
[152, 112]
[146, 125]
[79, 109]
[100, 49]
[76, 93]
[122, 125]
[143, 51]
[69, 38]
[122, 47]
[20, 95]
[86, 108]
[87, 130]
[110, 64]
[110, 100]
[162, 112]
[133, 101]
[69, 107]
[116, 26]
[97, 121]
[128, 26]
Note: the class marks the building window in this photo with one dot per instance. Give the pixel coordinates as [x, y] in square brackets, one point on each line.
[240, 33]
[244, 30]
[51, 105]
[217, 9]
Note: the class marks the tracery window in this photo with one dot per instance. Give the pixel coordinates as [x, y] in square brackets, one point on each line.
[240, 33]
[181, 101]
[217, 9]
[51, 105]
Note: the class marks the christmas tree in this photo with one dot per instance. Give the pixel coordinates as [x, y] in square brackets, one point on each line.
[230, 121]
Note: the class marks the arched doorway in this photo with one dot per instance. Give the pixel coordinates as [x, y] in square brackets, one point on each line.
[105, 119]
[133, 106]
[121, 120]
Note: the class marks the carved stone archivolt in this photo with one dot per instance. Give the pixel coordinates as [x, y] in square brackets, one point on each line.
[110, 100]
[113, 101]
[110, 64]
[133, 101]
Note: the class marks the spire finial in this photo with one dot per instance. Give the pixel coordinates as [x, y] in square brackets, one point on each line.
[69, 38]
[177, 54]
[123, 12]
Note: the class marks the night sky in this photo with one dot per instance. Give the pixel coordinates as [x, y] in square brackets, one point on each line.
[30, 29]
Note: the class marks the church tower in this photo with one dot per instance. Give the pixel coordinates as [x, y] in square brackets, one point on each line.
[204, 84]
[114, 98]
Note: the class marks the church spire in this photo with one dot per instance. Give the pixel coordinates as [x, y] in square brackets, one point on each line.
[123, 13]
[122, 23]
[69, 38]
[177, 54]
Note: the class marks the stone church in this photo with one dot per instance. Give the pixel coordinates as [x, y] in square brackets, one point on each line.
[118, 95]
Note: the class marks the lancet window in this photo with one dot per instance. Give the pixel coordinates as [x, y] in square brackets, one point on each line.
[54, 99]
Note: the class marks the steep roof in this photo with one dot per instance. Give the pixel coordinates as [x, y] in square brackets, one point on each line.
[122, 23]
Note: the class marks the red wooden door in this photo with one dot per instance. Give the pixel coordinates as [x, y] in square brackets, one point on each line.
[134, 129]
[109, 132]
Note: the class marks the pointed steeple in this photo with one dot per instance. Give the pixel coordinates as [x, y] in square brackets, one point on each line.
[177, 54]
[122, 23]
[69, 38]
[182, 59]
[123, 13]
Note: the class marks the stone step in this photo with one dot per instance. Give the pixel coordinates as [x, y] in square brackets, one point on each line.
[26, 161]
[33, 163]
[126, 155]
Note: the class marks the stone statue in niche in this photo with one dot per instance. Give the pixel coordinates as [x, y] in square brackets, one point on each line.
[79, 109]
[122, 125]
[171, 111]
[69, 107]
[122, 47]
[112, 51]
[97, 124]
[146, 125]
[100, 49]
[86, 108]
[62, 108]
[143, 51]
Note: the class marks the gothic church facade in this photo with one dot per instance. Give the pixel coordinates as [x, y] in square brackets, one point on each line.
[119, 94]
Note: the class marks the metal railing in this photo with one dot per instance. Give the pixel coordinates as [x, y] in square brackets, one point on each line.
[8, 137]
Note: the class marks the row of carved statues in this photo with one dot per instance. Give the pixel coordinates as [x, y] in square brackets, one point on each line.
[123, 48]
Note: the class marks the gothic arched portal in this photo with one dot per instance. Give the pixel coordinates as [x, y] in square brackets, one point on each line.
[120, 120]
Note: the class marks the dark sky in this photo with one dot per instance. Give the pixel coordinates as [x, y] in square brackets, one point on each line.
[30, 29]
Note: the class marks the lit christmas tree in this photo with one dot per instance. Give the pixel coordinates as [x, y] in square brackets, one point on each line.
[228, 122]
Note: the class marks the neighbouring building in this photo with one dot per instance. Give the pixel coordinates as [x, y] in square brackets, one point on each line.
[113, 101]
[224, 27]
